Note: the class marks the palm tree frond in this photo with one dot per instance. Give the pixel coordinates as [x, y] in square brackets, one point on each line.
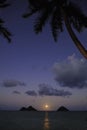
[42, 19]
[5, 33]
[26, 15]
[56, 24]
[37, 3]
[85, 22]
[2, 1]
[34, 6]
[76, 16]
[1, 21]
[4, 5]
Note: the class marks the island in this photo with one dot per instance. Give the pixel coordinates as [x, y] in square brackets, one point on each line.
[62, 108]
[30, 108]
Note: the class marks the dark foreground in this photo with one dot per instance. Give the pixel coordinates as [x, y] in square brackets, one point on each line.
[18, 120]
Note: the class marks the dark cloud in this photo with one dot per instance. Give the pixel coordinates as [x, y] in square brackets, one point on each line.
[16, 92]
[12, 83]
[47, 90]
[31, 93]
[71, 73]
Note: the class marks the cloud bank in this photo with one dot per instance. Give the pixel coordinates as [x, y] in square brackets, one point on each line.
[16, 92]
[12, 83]
[71, 73]
[31, 93]
[47, 90]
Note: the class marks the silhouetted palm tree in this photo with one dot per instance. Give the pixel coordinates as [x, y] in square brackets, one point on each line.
[3, 30]
[60, 13]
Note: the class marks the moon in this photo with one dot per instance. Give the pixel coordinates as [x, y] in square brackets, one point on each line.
[46, 106]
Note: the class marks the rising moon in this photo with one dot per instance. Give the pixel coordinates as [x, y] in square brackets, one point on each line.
[46, 106]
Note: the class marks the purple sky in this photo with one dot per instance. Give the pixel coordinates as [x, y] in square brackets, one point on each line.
[34, 70]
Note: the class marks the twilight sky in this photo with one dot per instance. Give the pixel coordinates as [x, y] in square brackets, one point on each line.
[34, 70]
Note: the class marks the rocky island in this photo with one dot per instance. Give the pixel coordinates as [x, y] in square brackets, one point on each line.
[30, 108]
[62, 108]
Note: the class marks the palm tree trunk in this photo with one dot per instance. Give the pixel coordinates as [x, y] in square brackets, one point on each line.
[78, 44]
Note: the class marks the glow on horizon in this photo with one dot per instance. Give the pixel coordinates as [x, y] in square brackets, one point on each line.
[46, 107]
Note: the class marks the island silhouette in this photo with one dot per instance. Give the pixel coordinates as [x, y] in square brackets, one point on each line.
[30, 108]
[62, 108]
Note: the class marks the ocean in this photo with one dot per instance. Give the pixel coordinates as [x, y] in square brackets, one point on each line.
[23, 120]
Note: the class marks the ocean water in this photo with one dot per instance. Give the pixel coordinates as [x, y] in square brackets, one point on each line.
[19, 120]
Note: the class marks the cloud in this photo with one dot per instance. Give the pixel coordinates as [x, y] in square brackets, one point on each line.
[12, 83]
[47, 90]
[31, 93]
[71, 73]
[16, 92]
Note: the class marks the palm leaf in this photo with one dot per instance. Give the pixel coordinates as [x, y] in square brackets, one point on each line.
[42, 19]
[4, 31]
[34, 6]
[1, 21]
[76, 16]
[2, 1]
[56, 24]
[4, 5]
[26, 15]
[37, 3]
